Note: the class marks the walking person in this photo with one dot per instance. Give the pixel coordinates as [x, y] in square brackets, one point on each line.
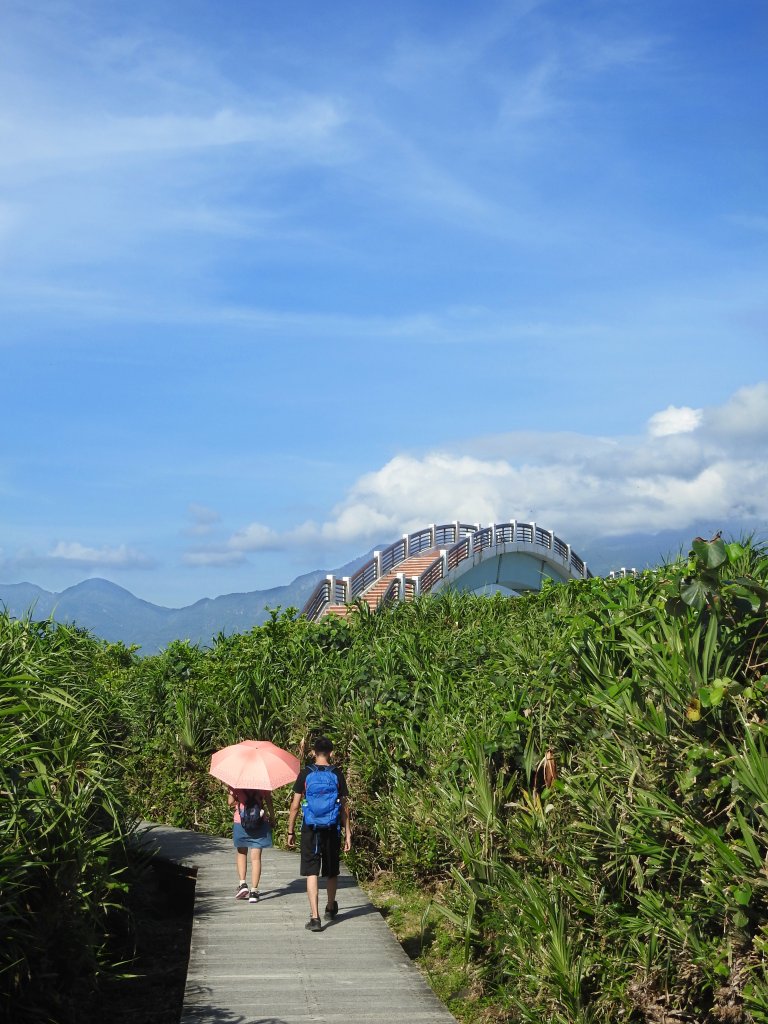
[253, 820]
[321, 793]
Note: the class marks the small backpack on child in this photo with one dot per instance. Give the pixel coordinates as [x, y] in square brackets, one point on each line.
[321, 797]
[251, 811]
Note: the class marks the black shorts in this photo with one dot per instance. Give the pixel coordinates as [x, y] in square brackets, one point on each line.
[320, 851]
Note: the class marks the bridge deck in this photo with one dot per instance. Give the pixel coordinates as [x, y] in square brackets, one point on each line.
[256, 963]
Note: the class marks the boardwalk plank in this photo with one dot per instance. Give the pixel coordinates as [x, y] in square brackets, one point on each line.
[256, 963]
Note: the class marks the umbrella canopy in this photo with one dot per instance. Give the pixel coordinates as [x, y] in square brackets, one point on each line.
[254, 764]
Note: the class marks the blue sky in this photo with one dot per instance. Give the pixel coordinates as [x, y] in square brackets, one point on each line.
[281, 281]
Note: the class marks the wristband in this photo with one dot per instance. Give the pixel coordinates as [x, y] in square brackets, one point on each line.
[290, 833]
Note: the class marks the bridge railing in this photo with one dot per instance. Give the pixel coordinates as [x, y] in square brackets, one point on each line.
[465, 539]
[383, 562]
[365, 576]
[319, 600]
[393, 555]
[422, 540]
[458, 552]
[393, 593]
[622, 573]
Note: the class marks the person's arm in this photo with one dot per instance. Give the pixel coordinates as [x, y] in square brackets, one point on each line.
[292, 815]
[346, 818]
[346, 822]
[231, 797]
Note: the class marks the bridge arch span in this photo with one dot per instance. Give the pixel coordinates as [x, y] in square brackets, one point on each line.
[510, 557]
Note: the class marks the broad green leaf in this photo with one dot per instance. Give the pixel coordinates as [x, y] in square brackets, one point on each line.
[734, 552]
[711, 553]
[694, 594]
[742, 894]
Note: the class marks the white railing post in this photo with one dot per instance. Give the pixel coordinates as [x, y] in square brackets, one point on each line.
[400, 576]
[514, 530]
[347, 589]
[377, 563]
[406, 545]
[456, 525]
[331, 585]
[416, 586]
[431, 535]
[443, 563]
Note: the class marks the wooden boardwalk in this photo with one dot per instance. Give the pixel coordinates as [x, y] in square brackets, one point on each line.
[257, 964]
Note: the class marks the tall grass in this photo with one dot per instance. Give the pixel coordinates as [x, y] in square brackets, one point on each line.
[629, 884]
[62, 854]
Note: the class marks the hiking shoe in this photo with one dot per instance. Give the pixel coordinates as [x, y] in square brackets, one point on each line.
[331, 911]
[241, 893]
[314, 925]
[253, 896]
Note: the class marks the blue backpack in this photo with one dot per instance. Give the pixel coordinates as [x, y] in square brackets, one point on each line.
[321, 802]
[251, 812]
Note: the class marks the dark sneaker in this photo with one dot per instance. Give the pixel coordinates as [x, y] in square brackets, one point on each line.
[253, 896]
[314, 925]
[241, 892]
[331, 911]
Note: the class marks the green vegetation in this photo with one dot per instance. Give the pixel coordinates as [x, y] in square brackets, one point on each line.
[630, 884]
[62, 854]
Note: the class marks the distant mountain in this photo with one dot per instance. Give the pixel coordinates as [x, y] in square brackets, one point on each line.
[111, 612]
[115, 614]
[646, 550]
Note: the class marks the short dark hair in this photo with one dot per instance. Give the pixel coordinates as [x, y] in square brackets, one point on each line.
[322, 745]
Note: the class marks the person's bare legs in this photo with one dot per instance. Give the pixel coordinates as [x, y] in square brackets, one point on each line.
[255, 867]
[312, 895]
[241, 859]
[330, 885]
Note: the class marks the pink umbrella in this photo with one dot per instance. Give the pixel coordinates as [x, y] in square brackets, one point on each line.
[254, 764]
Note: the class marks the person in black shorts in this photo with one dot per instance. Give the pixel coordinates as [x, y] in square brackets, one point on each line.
[320, 846]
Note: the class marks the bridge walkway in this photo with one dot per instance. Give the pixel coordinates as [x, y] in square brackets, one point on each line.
[414, 565]
[257, 964]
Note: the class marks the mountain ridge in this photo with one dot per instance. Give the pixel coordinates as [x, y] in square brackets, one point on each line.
[115, 614]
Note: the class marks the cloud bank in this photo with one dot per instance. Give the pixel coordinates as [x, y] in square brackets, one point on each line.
[689, 464]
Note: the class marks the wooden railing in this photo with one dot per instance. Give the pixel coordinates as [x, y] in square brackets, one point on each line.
[465, 540]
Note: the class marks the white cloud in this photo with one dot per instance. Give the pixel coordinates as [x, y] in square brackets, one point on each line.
[692, 463]
[674, 420]
[744, 416]
[76, 554]
[255, 537]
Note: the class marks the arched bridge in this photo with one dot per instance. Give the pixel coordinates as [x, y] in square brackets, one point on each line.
[509, 557]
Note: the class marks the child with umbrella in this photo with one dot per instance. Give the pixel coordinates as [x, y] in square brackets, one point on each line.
[250, 770]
